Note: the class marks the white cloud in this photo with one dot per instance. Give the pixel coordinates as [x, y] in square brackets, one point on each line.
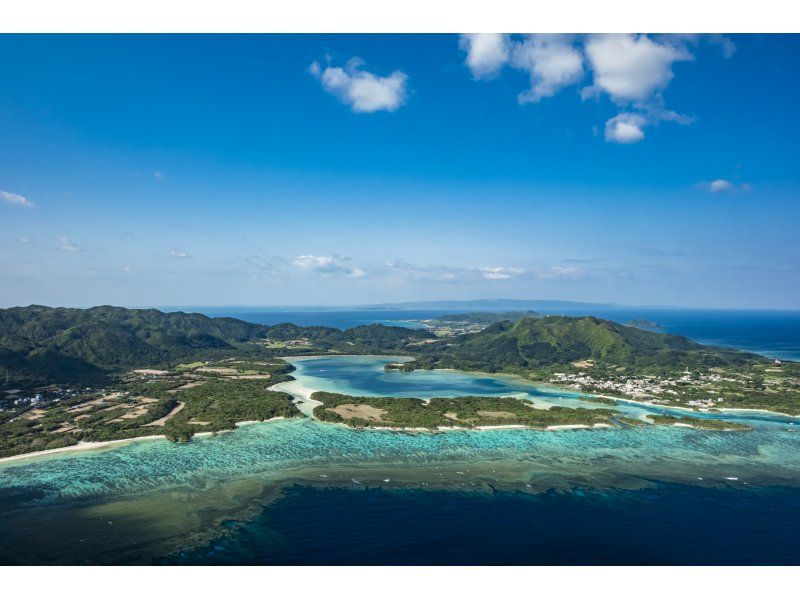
[126, 268]
[634, 70]
[15, 199]
[327, 265]
[725, 186]
[631, 68]
[361, 90]
[67, 245]
[181, 255]
[24, 240]
[552, 63]
[500, 273]
[487, 53]
[313, 262]
[625, 128]
[720, 186]
[725, 44]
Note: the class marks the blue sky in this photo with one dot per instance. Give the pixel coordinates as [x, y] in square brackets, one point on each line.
[274, 170]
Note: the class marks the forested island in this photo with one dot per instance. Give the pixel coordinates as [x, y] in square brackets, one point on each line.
[481, 412]
[107, 373]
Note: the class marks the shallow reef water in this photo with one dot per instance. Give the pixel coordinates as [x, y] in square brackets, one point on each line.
[149, 501]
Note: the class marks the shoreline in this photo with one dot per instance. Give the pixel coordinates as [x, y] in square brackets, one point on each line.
[692, 410]
[303, 394]
[89, 446]
[560, 388]
[81, 446]
[299, 391]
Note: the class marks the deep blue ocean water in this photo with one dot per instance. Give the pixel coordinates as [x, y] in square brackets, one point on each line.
[671, 524]
[624, 496]
[771, 333]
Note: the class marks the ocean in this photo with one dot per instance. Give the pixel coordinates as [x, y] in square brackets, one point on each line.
[304, 492]
[668, 524]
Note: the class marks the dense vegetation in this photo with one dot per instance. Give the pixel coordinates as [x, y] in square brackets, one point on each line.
[535, 343]
[705, 424]
[95, 348]
[598, 400]
[41, 345]
[198, 397]
[466, 412]
[219, 404]
[70, 345]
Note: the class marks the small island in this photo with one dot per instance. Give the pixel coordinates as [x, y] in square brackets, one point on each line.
[445, 413]
[408, 413]
[646, 324]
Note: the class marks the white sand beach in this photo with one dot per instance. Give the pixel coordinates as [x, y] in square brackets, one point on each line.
[89, 446]
[81, 446]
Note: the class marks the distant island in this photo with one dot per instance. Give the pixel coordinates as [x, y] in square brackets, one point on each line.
[478, 305]
[646, 324]
[72, 376]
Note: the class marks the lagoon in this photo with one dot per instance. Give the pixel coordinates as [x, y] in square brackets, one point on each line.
[150, 501]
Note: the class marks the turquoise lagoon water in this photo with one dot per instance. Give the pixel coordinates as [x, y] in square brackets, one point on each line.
[147, 500]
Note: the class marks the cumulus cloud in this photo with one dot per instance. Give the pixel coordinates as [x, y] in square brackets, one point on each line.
[550, 60]
[631, 68]
[15, 199]
[181, 255]
[327, 265]
[361, 90]
[625, 128]
[487, 53]
[634, 70]
[552, 63]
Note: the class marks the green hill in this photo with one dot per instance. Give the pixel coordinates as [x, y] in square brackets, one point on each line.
[43, 344]
[533, 343]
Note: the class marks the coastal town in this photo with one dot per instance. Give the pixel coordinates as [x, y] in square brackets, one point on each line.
[702, 390]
